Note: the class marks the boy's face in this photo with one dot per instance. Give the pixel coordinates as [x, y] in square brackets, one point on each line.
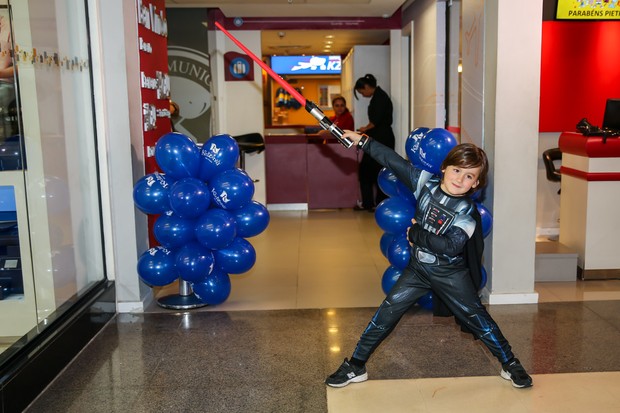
[458, 181]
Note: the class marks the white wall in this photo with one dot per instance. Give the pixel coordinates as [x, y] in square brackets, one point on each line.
[115, 55]
[399, 57]
[239, 104]
[428, 63]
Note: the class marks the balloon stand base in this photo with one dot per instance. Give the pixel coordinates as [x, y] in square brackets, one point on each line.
[180, 302]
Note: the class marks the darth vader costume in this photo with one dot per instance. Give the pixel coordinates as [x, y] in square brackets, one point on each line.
[445, 259]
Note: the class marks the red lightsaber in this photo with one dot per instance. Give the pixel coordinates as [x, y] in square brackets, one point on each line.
[309, 106]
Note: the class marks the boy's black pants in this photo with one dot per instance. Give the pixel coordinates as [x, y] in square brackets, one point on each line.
[453, 285]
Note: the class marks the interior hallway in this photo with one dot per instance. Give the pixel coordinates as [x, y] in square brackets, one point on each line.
[298, 312]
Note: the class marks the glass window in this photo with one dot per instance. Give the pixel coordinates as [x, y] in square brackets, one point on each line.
[46, 117]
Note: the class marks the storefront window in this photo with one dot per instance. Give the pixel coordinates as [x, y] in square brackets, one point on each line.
[51, 247]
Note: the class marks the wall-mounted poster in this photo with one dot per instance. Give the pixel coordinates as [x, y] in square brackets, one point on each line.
[588, 10]
[326, 94]
[238, 67]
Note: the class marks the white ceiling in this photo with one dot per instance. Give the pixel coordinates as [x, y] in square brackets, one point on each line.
[296, 8]
[292, 42]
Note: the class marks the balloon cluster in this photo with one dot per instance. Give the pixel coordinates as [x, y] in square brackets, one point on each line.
[205, 212]
[426, 149]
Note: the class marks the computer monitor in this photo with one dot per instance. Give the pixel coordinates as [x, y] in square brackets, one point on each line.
[611, 119]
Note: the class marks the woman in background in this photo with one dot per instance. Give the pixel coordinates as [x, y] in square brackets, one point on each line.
[379, 128]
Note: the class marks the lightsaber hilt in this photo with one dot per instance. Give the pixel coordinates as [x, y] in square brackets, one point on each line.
[327, 124]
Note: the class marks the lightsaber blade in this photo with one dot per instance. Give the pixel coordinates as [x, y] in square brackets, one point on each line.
[308, 105]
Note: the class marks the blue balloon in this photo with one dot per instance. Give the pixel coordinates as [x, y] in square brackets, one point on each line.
[483, 280]
[231, 189]
[389, 278]
[433, 149]
[384, 243]
[412, 144]
[487, 219]
[150, 193]
[394, 215]
[194, 262]
[478, 196]
[177, 155]
[156, 266]
[399, 252]
[236, 258]
[215, 289]
[216, 228]
[172, 231]
[405, 193]
[189, 197]
[251, 219]
[426, 301]
[218, 154]
[387, 182]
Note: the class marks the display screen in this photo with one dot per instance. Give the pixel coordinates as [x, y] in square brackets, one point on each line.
[588, 10]
[611, 119]
[8, 209]
[306, 65]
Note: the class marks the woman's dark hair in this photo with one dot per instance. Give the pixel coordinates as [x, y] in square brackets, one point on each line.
[468, 155]
[368, 80]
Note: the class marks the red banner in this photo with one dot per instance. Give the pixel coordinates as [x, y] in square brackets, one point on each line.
[154, 82]
[154, 79]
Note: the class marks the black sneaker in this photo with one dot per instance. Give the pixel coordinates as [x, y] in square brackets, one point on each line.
[515, 372]
[347, 373]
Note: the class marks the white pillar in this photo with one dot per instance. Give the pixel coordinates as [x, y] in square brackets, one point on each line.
[513, 33]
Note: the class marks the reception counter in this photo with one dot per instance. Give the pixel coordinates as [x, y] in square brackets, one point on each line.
[590, 201]
[308, 171]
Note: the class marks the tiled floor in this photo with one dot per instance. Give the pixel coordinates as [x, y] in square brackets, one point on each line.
[298, 312]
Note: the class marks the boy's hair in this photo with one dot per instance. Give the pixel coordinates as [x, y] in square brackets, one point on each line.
[468, 155]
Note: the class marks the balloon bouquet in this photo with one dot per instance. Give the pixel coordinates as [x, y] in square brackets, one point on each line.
[205, 213]
[426, 149]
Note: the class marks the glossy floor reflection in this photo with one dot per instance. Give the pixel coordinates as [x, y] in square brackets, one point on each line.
[291, 320]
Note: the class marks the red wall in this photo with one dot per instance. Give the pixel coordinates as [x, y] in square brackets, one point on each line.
[580, 70]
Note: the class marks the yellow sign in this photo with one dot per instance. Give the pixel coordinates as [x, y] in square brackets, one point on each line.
[588, 9]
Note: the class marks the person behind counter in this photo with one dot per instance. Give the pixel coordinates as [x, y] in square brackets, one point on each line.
[342, 117]
[379, 128]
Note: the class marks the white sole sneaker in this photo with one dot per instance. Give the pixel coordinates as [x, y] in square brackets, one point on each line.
[356, 379]
[508, 376]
